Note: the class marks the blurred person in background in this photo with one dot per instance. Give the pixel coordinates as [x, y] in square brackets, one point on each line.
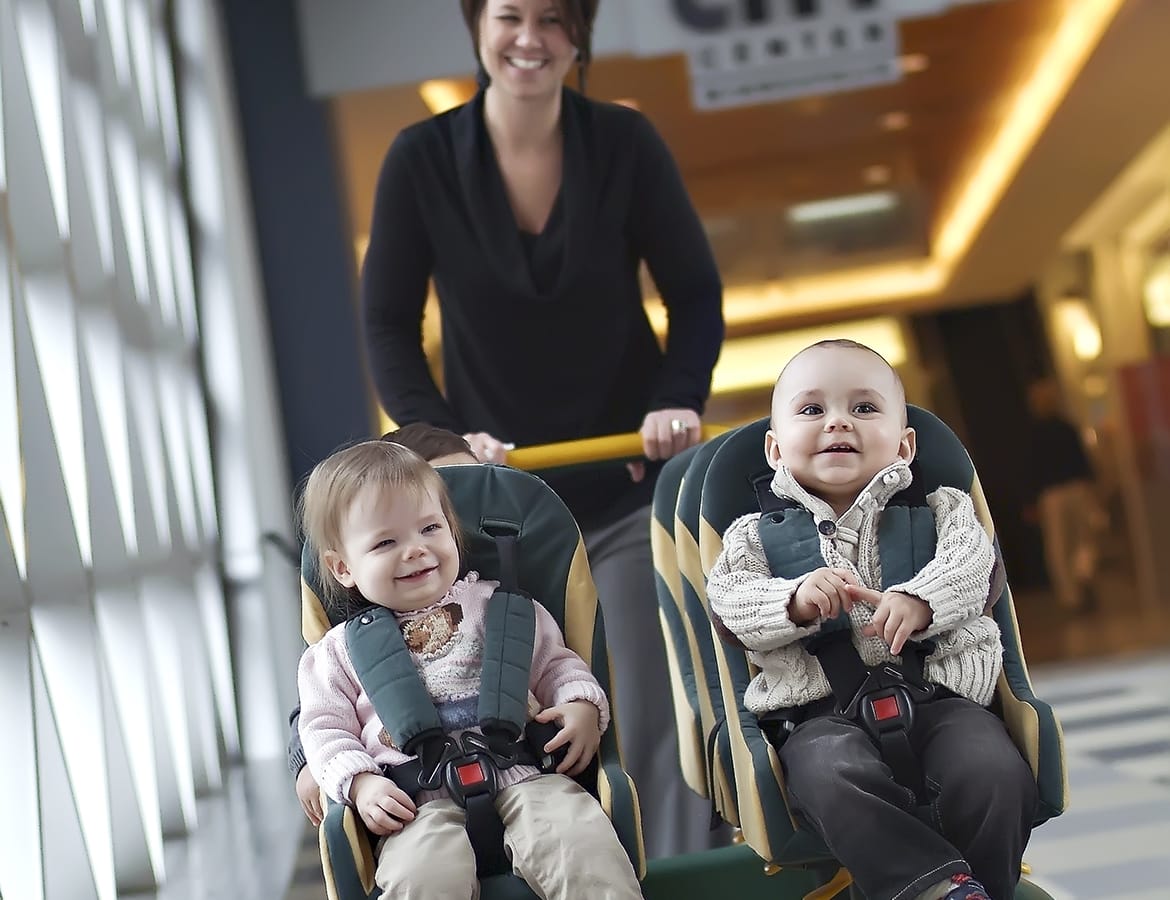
[1065, 504]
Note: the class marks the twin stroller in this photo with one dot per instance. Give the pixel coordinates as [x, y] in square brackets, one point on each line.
[723, 752]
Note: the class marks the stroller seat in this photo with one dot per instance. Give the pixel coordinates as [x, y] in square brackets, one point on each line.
[552, 567]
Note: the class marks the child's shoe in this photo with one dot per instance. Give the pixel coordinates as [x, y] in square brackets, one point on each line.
[964, 887]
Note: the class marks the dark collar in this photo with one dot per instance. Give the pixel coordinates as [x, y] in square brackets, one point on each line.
[487, 200]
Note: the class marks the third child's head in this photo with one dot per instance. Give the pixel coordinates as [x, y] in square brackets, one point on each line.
[838, 418]
[438, 446]
[383, 526]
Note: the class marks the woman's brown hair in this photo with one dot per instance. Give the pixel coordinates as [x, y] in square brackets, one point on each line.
[577, 16]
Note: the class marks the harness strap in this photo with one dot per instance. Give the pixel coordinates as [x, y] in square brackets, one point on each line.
[387, 673]
[509, 636]
[485, 830]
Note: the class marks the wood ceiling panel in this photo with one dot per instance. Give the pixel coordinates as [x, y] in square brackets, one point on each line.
[820, 146]
[757, 160]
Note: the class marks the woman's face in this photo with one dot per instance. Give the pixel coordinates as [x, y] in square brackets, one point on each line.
[524, 47]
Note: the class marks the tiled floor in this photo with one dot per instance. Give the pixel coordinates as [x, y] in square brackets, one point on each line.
[245, 844]
[1114, 841]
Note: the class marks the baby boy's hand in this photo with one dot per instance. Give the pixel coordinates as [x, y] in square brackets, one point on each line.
[896, 616]
[822, 595]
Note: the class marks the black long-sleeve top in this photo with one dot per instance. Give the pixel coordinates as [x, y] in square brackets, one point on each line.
[545, 337]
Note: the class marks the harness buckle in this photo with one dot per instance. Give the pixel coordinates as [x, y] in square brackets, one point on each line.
[432, 770]
[886, 700]
[887, 709]
[472, 773]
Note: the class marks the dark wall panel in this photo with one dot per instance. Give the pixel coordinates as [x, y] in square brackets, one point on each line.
[306, 257]
[991, 353]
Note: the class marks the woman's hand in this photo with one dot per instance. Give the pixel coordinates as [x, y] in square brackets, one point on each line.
[486, 448]
[665, 433]
[580, 728]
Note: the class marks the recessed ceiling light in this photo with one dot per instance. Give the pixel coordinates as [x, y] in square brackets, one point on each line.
[843, 207]
[877, 174]
[895, 121]
[914, 62]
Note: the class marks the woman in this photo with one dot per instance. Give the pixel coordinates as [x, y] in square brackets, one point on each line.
[532, 209]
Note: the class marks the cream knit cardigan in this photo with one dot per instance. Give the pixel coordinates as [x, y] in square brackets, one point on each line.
[754, 605]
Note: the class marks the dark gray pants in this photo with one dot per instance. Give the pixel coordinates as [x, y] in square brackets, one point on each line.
[674, 819]
[979, 821]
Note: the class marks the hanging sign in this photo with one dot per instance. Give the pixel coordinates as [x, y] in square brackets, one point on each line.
[742, 52]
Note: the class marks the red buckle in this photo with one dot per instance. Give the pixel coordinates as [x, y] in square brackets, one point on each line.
[470, 774]
[885, 708]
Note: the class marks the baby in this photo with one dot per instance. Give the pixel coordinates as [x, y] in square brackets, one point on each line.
[841, 448]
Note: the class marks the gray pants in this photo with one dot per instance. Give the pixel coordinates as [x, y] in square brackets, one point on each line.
[979, 820]
[675, 820]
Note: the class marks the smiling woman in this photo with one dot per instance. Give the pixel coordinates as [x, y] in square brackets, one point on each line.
[532, 209]
[570, 22]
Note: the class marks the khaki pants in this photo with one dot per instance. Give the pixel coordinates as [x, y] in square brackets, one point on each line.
[558, 837]
[1070, 519]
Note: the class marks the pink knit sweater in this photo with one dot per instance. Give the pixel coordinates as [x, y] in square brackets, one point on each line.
[344, 737]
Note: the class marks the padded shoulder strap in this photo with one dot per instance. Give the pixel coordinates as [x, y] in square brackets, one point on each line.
[906, 534]
[387, 672]
[509, 635]
[791, 541]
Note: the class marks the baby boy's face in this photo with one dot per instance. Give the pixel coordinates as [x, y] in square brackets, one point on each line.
[838, 418]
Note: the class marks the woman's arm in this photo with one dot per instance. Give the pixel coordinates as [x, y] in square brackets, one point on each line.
[667, 234]
[397, 267]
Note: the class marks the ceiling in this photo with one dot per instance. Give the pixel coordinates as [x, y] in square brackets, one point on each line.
[974, 76]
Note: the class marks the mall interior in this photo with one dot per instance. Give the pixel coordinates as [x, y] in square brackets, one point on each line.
[186, 187]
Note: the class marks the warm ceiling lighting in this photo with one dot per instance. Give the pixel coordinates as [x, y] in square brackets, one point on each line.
[1078, 29]
[895, 121]
[913, 62]
[878, 174]
[752, 363]
[1156, 294]
[842, 207]
[840, 291]
[1079, 325]
[442, 94]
